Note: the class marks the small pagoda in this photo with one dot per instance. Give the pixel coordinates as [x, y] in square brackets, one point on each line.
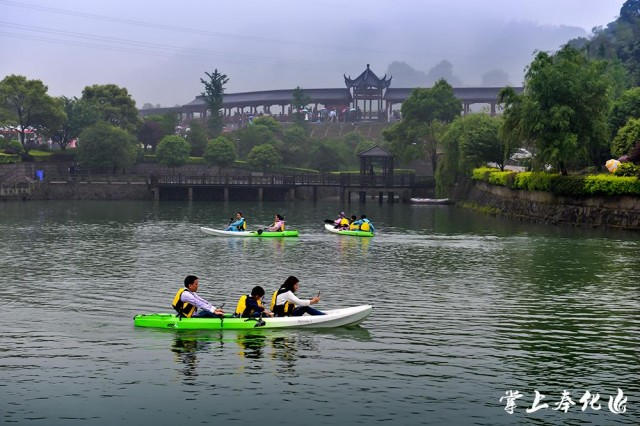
[368, 87]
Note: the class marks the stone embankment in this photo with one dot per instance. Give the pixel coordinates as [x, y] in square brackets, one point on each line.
[544, 207]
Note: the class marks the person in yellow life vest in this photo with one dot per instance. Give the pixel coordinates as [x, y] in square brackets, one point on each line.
[352, 223]
[277, 225]
[364, 224]
[341, 222]
[239, 225]
[188, 304]
[250, 305]
[285, 303]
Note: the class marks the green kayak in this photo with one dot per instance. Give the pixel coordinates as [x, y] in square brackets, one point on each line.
[333, 318]
[221, 233]
[331, 229]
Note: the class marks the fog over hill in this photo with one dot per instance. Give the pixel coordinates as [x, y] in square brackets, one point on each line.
[160, 50]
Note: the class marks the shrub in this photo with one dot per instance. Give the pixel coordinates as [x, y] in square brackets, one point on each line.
[534, 181]
[568, 185]
[9, 158]
[502, 178]
[482, 173]
[611, 185]
[627, 169]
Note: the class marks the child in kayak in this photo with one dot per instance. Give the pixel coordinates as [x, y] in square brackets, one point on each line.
[278, 224]
[341, 222]
[240, 224]
[364, 224]
[352, 223]
[250, 306]
[189, 304]
[285, 303]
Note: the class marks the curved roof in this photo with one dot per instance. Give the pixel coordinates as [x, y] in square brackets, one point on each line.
[277, 97]
[465, 94]
[368, 79]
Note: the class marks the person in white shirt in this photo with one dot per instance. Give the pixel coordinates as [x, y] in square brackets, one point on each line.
[288, 304]
[189, 304]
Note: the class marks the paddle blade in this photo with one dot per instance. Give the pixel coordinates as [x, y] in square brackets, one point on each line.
[329, 221]
[260, 231]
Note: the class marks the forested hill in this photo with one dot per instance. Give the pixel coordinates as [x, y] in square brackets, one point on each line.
[619, 40]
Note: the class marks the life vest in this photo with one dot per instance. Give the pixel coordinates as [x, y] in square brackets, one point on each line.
[365, 226]
[241, 308]
[184, 309]
[343, 222]
[243, 227]
[284, 310]
[353, 227]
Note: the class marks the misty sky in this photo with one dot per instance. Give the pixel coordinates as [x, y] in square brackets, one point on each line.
[159, 50]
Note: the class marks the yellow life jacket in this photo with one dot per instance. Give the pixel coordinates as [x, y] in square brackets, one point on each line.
[243, 227]
[365, 227]
[353, 227]
[343, 222]
[184, 309]
[282, 310]
[241, 307]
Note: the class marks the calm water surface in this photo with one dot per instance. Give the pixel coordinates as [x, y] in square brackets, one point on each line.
[466, 308]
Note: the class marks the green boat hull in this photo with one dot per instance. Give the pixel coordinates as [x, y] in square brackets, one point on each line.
[333, 318]
[333, 230]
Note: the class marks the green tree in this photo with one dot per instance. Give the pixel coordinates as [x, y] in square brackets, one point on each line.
[167, 122]
[299, 101]
[269, 122]
[252, 136]
[197, 138]
[264, 157]
[624, 108]
[435, 103]
[150, 133]
[213, 95]
[103, 145]
[329, 154]
[79, 115]
[480, 142]
[114, 105]
[628, 136]
[173, 151]
[424, 117]
[563, 110]
[220, 152]
[26, 104]
[295, 145]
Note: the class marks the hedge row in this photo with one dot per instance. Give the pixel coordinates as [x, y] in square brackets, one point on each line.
[601, 184]
[9, 158]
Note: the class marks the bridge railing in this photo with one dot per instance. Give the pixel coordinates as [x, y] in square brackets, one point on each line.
[342, 179]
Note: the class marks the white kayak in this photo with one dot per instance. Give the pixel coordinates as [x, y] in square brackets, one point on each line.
[332, 318]
[221, 233]
[430, 201]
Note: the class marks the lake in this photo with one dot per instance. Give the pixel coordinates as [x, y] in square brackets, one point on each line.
[467, 308]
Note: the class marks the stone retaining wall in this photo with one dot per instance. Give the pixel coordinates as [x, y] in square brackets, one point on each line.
[91, 191]
[544, 207]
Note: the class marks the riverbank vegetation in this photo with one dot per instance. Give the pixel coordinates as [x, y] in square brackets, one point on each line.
[556, 183]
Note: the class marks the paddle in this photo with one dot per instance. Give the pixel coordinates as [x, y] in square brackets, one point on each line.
[329, 221]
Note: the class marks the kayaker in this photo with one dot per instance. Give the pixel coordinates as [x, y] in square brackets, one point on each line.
[285, 303]
[190, 305]
[250, 305]
[364, 224]
[240, 224]
[352, 224]
[341, 222]
[278, 224]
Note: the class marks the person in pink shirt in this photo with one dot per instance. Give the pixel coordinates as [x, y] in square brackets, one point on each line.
[278, 224]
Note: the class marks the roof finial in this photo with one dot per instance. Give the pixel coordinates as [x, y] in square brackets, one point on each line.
[367, 65]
